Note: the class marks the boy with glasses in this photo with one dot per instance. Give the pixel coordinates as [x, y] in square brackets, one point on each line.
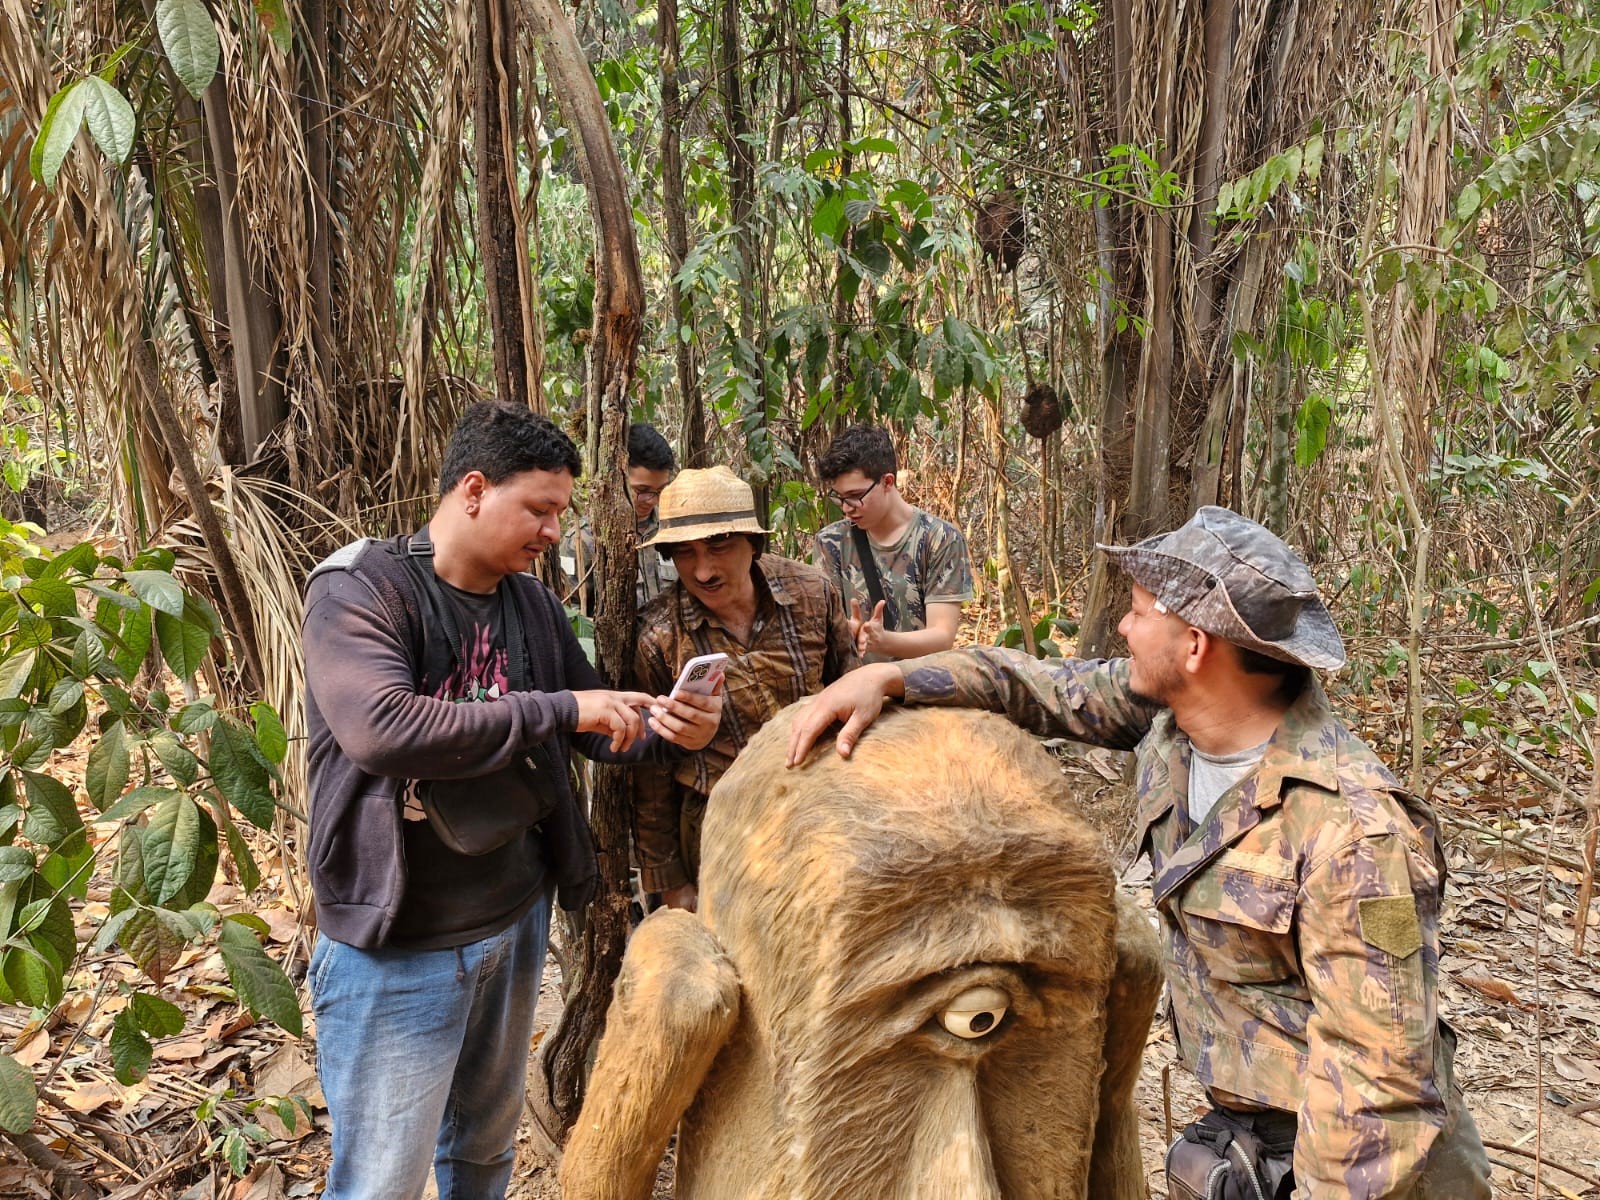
[903, 572]
[650, 468]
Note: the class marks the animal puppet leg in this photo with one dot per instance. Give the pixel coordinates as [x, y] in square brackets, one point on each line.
[676, 1002]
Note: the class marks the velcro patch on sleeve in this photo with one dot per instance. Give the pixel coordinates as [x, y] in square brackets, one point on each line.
[1390, 923]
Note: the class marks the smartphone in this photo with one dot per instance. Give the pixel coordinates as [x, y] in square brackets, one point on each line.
[702, 674]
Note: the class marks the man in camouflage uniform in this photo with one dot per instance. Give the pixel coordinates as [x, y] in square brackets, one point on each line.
[650, 467]
[1298, 883]
[921, 561]
[781, 624]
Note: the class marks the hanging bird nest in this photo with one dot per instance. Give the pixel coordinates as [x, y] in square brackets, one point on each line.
[1042, 411]
[1002, 229]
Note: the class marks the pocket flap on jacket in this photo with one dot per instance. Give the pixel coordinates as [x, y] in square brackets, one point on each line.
[1241, 897]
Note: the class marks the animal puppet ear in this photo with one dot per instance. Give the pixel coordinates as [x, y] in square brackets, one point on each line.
[675, 1004]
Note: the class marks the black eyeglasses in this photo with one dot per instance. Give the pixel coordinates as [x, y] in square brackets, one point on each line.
[854, 499]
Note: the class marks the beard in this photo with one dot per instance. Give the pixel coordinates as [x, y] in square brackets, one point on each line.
[1159, 680]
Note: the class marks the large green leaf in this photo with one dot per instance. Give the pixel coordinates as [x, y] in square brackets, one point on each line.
[19, 1099]
[240, 776]
[14, 672]
[177, 758]
[158, 589]
[155, 1015]
[183, 645]
[262, 986]
[243, 861]
[275, 20]
[69, 868]
[16, 864]
[270, 736]
[33, 980]
[110, 118]
[155, 939]
[63, 117]
[171, 847]
[135, 802]
[52, 813]
[107, 771]
[130, 1049]
[190, 40]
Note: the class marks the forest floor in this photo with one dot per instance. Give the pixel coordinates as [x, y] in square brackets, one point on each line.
[1526, 1009]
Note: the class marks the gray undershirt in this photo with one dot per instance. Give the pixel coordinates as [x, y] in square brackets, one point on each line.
[1212, 774]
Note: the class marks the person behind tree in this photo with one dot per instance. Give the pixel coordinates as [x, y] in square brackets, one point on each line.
[919, 562]
[650, 468]
[780, 622]
[1298, 884]
[445, 691]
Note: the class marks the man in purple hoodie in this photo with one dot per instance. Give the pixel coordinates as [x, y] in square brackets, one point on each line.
[444, 693]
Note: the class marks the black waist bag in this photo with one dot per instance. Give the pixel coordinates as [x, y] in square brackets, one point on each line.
[1228, 1155]
[475, 816]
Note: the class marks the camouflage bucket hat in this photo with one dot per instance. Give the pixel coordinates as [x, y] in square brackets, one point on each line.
[703, 503]
[1237, 580]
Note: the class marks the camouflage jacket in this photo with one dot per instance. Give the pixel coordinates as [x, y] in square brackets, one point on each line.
[1301, 917]
[928, 565]
[799, 644]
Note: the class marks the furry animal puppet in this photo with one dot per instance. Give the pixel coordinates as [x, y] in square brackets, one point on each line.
[910, 977]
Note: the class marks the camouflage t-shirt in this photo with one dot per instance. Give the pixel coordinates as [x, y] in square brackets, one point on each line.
[928, 565]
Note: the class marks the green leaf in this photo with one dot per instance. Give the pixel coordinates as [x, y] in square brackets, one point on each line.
[154, 939]
[19, 1099]
[158, 589]
[177, 758]
[157, 1017]
[274, 742]
[262, 986]
[107, 771]
[195, 718]
[14, 672]
[135, 802]
[183, 645]
[136, 634]
[190, 40]
[1468, 202]
[130, 1049]
[1312, 422]
[63, 117]
[68, 869]
[243, 861]
[112, 929]
[275, 21]
[239, 776]
[32, 979]
[16, 864]
[52, 813]
[109, 117]
[1388, 271]
[171, 847]
[828, 219]
[65, 696]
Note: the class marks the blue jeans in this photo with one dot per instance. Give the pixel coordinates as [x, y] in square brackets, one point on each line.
[422, 1055]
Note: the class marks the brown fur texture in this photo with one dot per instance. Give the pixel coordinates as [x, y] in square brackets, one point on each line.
[857, 900]
[1002, 228]
[1042, 412]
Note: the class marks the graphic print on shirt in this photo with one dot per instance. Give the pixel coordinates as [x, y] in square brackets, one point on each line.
[479, 675]
[480, 672]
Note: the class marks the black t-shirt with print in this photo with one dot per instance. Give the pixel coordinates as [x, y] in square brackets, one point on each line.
[452, 899]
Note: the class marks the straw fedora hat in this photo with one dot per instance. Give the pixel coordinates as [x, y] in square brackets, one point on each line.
[703, 503]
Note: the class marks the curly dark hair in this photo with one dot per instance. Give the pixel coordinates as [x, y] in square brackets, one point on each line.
[864, 448]
[500, 439]
[648, 449]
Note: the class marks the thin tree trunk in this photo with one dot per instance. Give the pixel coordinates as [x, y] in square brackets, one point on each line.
[502, 234]
[557, 1087]
[693, 440]
[255, 320]
[1280, 445]
[318, 117]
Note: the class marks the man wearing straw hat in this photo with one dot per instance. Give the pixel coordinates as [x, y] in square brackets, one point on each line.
[780, 622]
[1297, 882]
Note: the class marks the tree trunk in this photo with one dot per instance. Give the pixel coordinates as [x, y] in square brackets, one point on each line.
[556, 1089]
[502, 232]
[693, 440]
[255, 321]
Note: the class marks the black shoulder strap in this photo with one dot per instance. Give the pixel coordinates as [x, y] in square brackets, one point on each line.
[419, 563]
[869, 569]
